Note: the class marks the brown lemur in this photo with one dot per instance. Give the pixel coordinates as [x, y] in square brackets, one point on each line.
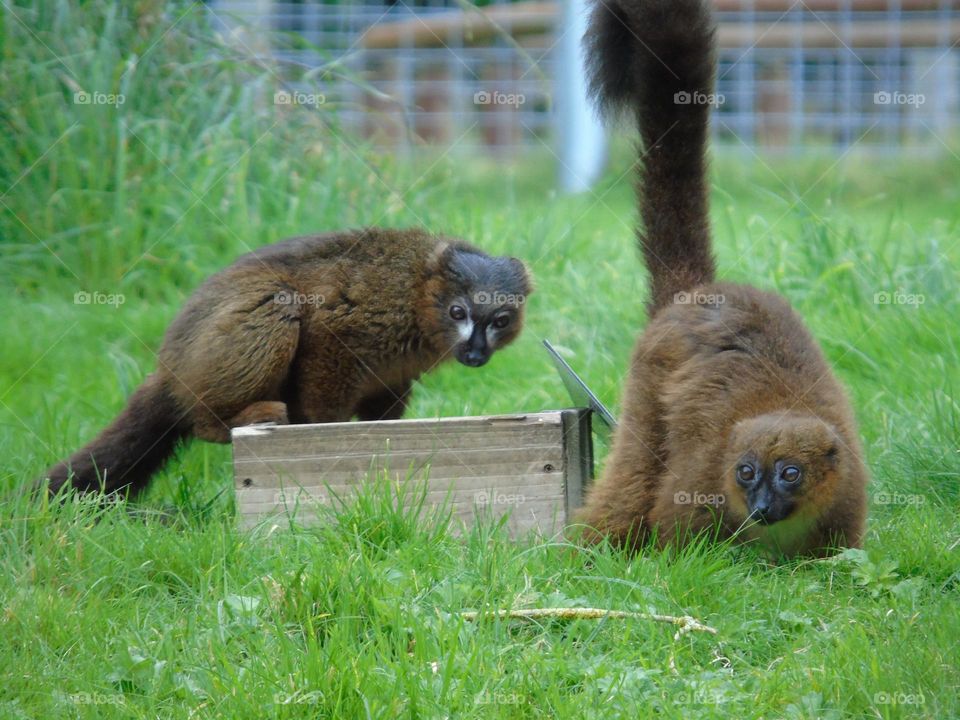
[312, 329]
[732, 422]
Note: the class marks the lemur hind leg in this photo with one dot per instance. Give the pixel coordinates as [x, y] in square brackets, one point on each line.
[266, 411]
[232, 368]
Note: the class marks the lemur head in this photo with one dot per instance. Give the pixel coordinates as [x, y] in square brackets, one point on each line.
[474, 302]
[782, 465]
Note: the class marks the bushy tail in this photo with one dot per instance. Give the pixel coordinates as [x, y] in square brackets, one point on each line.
[130, 449]
[656, 59]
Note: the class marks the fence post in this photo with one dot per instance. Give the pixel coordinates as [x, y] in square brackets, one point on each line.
[583, 146]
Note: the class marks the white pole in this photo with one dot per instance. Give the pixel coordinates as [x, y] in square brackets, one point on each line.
[582, 141]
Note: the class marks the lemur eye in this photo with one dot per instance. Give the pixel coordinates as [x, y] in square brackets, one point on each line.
[457, 312]
[746, 473]
[791, 474]
[501, 321]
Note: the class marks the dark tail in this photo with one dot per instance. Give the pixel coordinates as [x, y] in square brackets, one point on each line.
[130, 449]
[656, 58]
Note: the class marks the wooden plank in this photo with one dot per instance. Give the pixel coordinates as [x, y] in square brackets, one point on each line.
[782, 6]
[515, 465]
[260, 490]
[484, 491]
[578, 456]
[414, 426]
[467, 433]
[829, 33]
[272, 473]
[543, 518]
[522, 19]
[544, 506]
[325, 494]
[472, 441]
[515, 18]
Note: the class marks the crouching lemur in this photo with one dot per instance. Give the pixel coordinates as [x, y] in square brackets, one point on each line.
[732, 421]
[312, 329]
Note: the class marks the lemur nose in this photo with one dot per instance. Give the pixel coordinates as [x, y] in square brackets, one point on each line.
[761, 512]
[475, 359]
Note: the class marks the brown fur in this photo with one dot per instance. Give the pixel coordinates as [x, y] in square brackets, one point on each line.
[723, 374]
[313, 329]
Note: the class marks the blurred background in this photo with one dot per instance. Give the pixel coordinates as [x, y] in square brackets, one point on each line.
[500, 76]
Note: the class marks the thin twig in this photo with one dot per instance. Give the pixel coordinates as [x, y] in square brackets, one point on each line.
[686, 623]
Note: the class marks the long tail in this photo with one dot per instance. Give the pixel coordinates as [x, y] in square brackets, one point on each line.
[657, 59]
[129, 450]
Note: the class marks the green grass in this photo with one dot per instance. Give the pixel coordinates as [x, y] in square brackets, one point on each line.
[108, 613]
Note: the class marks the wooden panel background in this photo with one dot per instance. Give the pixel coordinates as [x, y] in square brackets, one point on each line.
[521, 465]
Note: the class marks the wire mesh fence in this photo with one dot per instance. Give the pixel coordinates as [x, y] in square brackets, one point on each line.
[793, 74]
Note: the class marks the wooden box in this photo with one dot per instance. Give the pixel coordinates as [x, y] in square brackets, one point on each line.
[533, 467]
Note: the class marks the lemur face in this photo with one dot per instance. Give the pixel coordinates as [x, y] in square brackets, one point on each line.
[483, 325]
[781, 463]
[482, 307]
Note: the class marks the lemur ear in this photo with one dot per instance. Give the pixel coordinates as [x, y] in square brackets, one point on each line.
[520, 268]
[440, 256]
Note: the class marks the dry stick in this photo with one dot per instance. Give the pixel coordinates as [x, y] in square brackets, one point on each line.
[685, 622]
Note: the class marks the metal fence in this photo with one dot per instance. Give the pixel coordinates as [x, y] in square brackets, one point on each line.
[793, 74]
